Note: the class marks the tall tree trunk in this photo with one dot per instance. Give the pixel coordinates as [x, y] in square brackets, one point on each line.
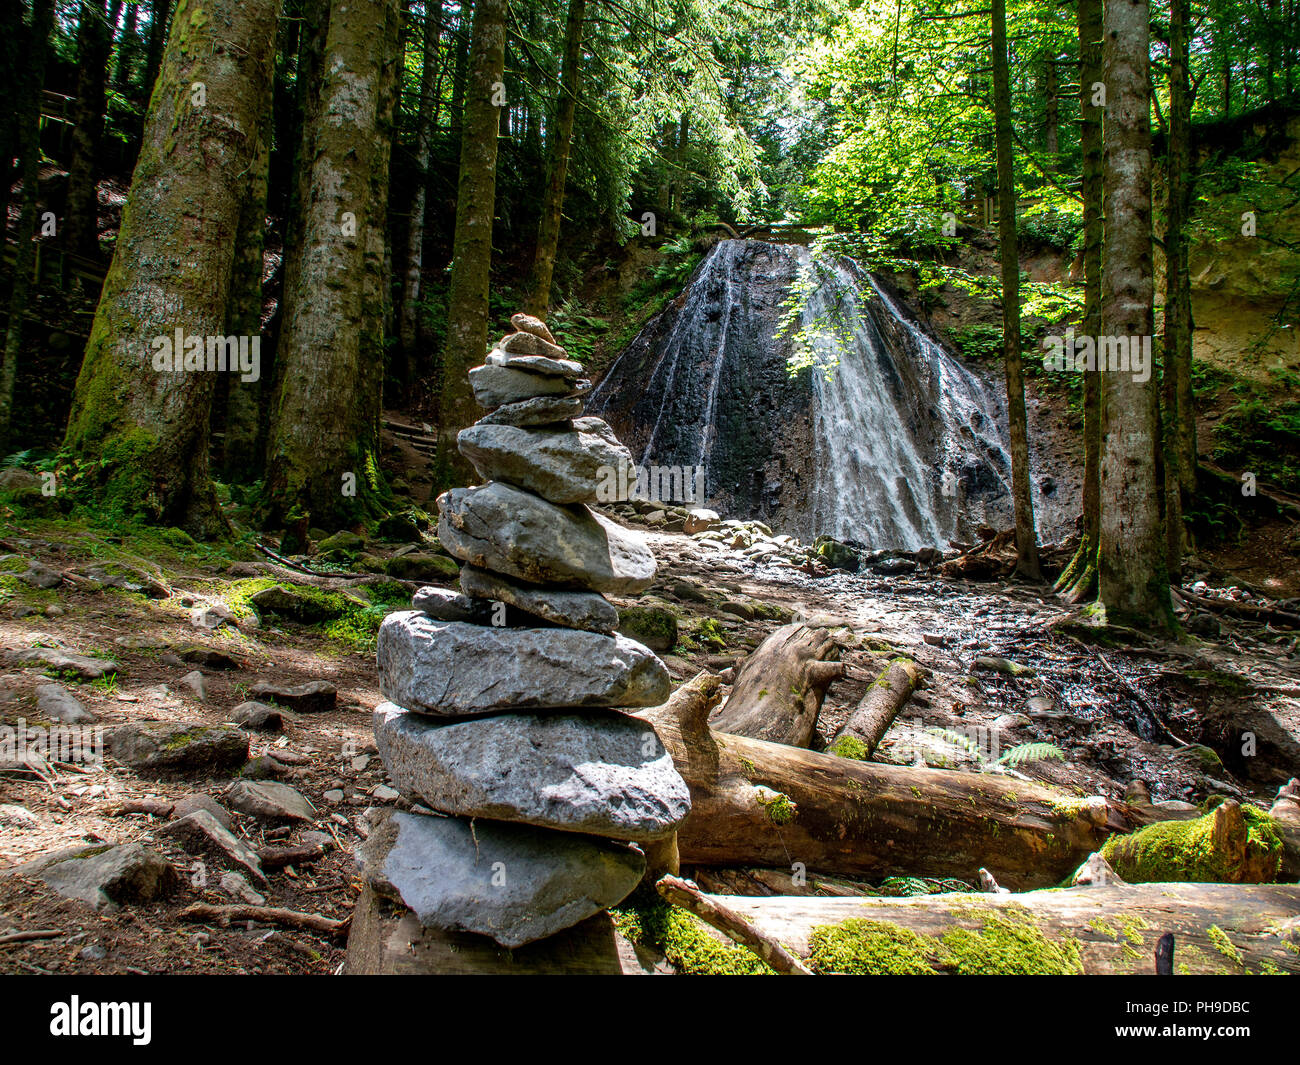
[128, 47]
[144, 427]
[1079, 580]
[240, 453]
[81, 216]
[460, 72]
[13, 63]
[467, 299]
[1021, 487]
[1180, 418]
[561, 137]
[29, 150]
[407, 331]
[1133, 578]
[322, 464]
[1051, 137]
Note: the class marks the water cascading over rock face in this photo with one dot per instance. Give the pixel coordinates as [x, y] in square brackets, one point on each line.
[882, 437]
[501, 700]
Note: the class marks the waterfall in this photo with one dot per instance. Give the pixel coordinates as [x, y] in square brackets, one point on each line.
[882, 437]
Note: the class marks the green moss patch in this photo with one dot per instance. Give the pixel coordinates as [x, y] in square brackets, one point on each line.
[1183, 852]
[1009, 942]
[648, 921]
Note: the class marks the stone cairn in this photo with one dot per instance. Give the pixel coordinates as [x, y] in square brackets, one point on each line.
[500, 700]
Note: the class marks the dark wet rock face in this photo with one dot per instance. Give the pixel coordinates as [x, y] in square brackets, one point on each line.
[883, 439]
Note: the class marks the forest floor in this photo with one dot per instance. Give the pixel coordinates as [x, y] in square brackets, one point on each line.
[1170, 714]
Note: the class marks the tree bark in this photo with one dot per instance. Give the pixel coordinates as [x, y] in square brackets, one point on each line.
[424, 124]
[1132, 574]
[1115, 928]
[1079, 580]
[1021, 487]
[768, 804]
[884, 699]
[145, 430]
[81, 215]
[779, 689]
[241, 454]
[1052, 105]
[322, 461]
[1180, 417]
[29, 150]
[561, 136]
[467, 298]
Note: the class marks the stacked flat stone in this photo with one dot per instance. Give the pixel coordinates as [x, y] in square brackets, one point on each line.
[501, 700]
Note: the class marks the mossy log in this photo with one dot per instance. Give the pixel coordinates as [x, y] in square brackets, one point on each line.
[871, 719]
[768, 804]
[1229, 845]
[1285, 814]
[779, 689]
[1217, 928]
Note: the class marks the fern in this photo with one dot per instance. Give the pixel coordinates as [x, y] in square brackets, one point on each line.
[957, 740]
[1031, 752]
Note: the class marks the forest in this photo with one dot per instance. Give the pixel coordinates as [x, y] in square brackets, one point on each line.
[640, 487]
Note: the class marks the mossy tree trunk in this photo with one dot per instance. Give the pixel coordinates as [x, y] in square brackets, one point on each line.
[322, 461]
[241, 455]
[1133, 579]
[144, 432]
[80, 217]
[29, 152]
[1078, 582]
[561, 137]
[1180, 417]
[1021, 487]
[467, 298]
[425, 119]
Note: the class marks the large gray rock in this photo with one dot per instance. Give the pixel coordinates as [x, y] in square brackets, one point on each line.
[270, 800]
[497, 527]
[600, 773]
[495, 386]
[83, 666]
[542, 410]
[574, 610]
[536, 364]
[453, 669]
[562, 465]
[175, 747]
[109, 877]
[59, 704]
[201, 833]
[515, 883]
[313, 697]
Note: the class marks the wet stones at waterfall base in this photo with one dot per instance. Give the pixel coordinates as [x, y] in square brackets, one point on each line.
[453, 669]
[515, 883]
[599, 772]
[504, 529]
[561, 464]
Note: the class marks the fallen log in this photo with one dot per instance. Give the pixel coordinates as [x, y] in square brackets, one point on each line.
[872, 717]
[1241, 610]
[1217, 928]
[768, 804]
[726, 920]
[314, 922]
[779, 689]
